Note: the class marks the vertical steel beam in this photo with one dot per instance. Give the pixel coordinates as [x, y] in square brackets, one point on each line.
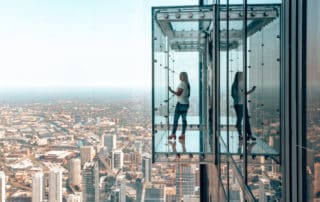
[228, 98]
[152, 84]
[244, 50]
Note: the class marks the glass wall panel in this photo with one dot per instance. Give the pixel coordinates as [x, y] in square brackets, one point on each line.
[235, 191]
[235, 66]
[264, 178]
[250, 118]
[222, 104]
[179, 45]
[159, 62]
[312, 171]
[263, 75]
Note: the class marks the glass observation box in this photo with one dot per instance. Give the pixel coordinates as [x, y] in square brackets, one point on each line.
[180, 40]
[211, 44]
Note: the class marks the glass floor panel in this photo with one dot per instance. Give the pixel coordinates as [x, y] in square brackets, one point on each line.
[184, 158]
[191, 144]
[256, 148]
[191, 120]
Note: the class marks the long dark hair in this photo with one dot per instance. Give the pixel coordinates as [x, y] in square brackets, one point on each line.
[236, 79]
[186, 79]
[235, 84]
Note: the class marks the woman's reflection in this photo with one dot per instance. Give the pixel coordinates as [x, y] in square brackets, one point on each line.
[238, 94]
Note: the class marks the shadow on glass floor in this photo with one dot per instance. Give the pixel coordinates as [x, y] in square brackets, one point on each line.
[189, 149]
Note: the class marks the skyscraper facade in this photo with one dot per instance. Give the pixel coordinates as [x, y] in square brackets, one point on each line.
[185, 181]
[109, 141]
[90, 182]
[55, 185]
[139, 185]
[146, 167]
[123, 191]
[117, 159]
[155, 193]
[73, 198]
[37, 187]
[2, 186]
[75, 172]
[87, 154]
[107, 185]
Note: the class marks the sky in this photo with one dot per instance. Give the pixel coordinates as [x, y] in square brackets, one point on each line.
[77, 43]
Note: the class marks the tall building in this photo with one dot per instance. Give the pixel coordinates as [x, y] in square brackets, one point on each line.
[257, 57]
[138, 146]
[146, 167]
[123, 191]
[185, 181]
[264, 189]
[139, 188]
[109, 141]
[73, 198]
[117, 159]
[115, 195]
[55, 185]
[87, 154]
[2, 186]
[107, 184]
[37, 187]
[75, 172]
[155, 193]
[90, 182]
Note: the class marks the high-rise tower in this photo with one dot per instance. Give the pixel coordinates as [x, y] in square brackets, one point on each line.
[75, 172]
[117, 159]
[55, 185]
[109, 141]
[146, 167]
[2, 187]
[87, 154]
[37, 187]
[90, 182]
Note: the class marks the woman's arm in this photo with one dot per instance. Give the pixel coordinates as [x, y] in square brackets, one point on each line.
[252, 89]
[178, 93]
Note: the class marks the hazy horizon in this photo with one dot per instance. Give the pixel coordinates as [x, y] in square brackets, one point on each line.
[92, 95]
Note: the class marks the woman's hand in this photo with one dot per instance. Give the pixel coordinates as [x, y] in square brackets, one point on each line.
[252, 89]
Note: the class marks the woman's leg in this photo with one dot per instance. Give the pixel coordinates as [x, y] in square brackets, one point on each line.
[175, 119]
[239, 114]
[248, 127]
[184, 122]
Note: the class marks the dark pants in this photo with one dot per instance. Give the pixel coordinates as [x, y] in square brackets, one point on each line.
[239, 112]
[181, 109]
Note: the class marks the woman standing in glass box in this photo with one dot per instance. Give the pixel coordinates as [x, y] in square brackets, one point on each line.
[183, 94]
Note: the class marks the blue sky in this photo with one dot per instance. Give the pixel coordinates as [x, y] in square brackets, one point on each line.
[76, 43]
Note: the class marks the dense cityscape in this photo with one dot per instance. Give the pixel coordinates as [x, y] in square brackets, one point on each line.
[75, 150]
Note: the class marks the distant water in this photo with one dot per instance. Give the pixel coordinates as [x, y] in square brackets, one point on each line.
[72, 94]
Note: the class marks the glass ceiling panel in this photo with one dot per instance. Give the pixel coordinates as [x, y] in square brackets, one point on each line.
[185, 26]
